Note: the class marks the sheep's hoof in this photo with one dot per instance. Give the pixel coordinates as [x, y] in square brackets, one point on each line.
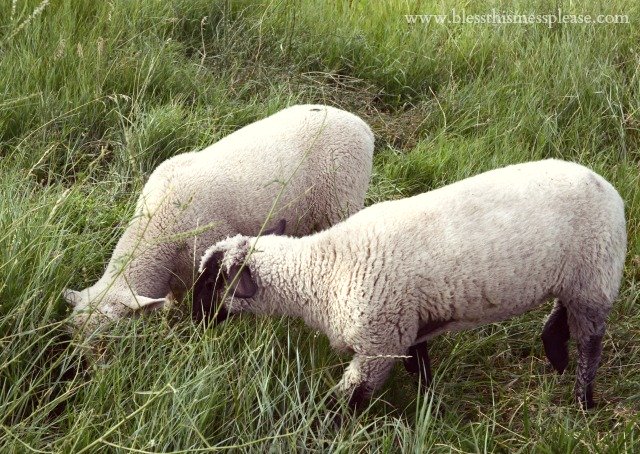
[419, 362]
[587, 404]
[585, 399]
[333, 412]
[359, 396]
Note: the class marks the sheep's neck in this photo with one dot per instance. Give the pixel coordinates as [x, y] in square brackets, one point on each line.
[291, 278]
[140, 266]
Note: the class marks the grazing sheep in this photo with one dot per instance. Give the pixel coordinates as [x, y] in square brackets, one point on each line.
[479, 251]
[308, 164]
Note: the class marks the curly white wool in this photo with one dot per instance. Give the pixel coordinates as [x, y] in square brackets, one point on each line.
[478, 251]
[308, 164]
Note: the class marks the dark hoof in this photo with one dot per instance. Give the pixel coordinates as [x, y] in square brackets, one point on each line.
[419, 362]
[587, 405]
[586, 401]
[334, 413]
[359, 397]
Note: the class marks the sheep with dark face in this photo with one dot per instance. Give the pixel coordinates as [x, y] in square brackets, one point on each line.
[308, 164]
[398, 273]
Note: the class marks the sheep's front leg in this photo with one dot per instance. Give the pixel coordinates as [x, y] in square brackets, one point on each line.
[418, 362]
[363, 376]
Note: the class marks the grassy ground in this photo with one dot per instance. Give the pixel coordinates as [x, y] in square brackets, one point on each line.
[93, 95]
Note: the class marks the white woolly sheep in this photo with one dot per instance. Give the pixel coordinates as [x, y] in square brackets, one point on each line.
[398, 273]
[308, 164]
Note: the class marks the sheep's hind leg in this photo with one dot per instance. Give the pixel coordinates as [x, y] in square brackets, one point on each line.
[589, 353]
[587, 327]
[555, 337]
[419, 363]
[363, 376]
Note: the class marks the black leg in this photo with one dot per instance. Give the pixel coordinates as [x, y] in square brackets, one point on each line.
[357, 400]
[363, 376]
[359, 396]
[589, 353]
[555, 336]
[333, 408]
[419, 363]
[587, 324]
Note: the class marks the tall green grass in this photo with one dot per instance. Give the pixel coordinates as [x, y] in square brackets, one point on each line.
[93, 95]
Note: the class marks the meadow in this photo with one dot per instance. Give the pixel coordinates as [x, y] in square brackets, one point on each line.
[94, 95]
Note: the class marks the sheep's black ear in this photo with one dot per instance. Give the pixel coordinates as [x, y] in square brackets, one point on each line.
[204, 291]
[245, 287]
[277, 229]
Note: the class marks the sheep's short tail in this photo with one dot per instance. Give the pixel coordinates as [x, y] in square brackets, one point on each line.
[555, 338]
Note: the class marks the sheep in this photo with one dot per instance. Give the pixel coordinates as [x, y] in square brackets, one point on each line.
[309, 164]
[394, 275]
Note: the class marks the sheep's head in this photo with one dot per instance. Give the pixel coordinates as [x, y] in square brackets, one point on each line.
[94, 308]
[223, 273]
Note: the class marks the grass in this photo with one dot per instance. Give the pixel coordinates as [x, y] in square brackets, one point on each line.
[93, 95]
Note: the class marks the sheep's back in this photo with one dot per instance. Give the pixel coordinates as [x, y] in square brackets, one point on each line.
[305, 164]
[494, 245]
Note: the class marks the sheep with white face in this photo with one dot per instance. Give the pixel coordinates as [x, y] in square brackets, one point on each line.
[398, 273]
[308, 164]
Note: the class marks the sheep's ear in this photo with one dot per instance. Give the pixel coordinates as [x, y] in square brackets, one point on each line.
[205, 288]
[140, 302]
[277, 229]
[72, 297]
[245, 287]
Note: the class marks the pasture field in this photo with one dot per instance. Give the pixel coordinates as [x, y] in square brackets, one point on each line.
[94, 94]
